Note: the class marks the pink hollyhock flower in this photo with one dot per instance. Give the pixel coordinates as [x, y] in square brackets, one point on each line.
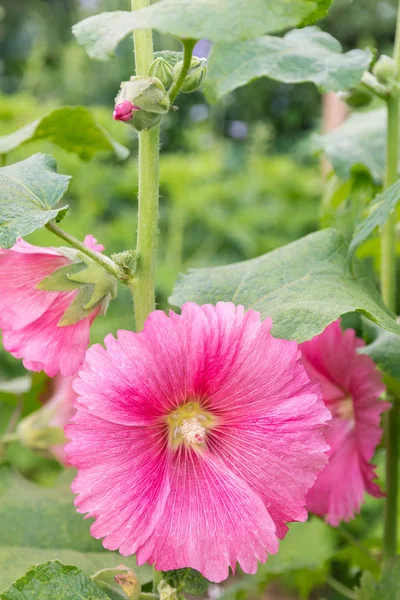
[196, 439]
[124, 111]
[61, 410]
[351, 386]
[29, 316]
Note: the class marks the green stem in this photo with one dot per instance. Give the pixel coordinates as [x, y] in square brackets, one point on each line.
[339, 587]
[148, 596]
[157, 578]
[388, 286]
[188, 46]
[143, 286]
[104, 261]
[355, 542]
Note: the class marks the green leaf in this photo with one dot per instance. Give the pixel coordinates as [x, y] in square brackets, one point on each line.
[29, 190]
[383, 348]
[378, 213]
[216, 20]
[188, 581]
[301, 55]
[303, 286]
[54, 581]
[359, 143]
[387, 589]
[73, 128]
[39, 523]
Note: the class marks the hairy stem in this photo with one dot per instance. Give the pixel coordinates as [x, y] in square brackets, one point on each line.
[188, 46]
[388, 286]
[143, 286]
[101, 260]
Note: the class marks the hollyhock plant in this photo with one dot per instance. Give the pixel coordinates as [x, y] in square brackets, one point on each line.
[196, 439]
[351, 387]
[31, 318]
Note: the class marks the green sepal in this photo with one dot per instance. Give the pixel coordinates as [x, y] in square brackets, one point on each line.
[96, 287]
[120, 583]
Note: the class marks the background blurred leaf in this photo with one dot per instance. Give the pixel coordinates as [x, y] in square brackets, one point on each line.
[387, 589]
[359, 142]
[383, 348]
[28, 192]
[73, 128]
[44, 521]
[303, 286]
[378, 213]
[54, 581]
[216, 20]
[301, 55]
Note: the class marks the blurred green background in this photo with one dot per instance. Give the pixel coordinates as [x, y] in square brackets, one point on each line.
[237, 180]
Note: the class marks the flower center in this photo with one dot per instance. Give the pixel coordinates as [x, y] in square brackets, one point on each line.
[346, 409]
[188, 425]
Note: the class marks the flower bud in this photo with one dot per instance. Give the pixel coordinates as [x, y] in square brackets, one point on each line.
[357, 97]
[385, 69]
[196, 74]
[161, 69]
[142, 101]
[120, 583]
[166, 592]
[35, 431]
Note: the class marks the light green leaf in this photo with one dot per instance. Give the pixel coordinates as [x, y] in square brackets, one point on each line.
[359, 143]
[39, 524]
[303, 286]
[301, 55]
[383, 347]
[54, 581]
[387, 589]
[16, 386]
[216, 20]
[73, 128]
[378, 213]
[29, 190]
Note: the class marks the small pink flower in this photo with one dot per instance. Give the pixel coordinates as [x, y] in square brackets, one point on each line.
[196, 439]
[29, 316]
[61, 410]
[124, 111]
[351, 386]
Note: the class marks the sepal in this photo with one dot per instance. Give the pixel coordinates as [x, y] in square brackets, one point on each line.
[120, 583]
[195, 76]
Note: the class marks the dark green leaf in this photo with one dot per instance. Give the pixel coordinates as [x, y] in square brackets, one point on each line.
[378, 213]
[301, 55]
[359, 143]
[54, 581]
[38, 524]
[73, 128]
[389, 586]
[188, 581]
[29, 190]
[303, 286]
[216, 20]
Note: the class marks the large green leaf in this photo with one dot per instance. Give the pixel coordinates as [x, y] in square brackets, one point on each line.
[301, 55]
[383, 347]
[73, 128]
[388, 587]
[303, 286]
[38, 524]
[54, 581]
[216, 20]
[359, 143]
[29, 191]
[379, 211]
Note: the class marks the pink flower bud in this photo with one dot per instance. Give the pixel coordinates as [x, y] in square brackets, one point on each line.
[124, 111]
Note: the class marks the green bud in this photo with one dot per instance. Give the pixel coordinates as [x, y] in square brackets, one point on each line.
[357, 97]
[196, 74]
[127, 260]
[144, 120]
[146, 93]
[170, 56]
[162, 70]
[385, 69]
[166, 591]
[120, 583]
[34, 431]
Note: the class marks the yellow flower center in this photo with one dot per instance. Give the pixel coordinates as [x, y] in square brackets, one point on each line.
[188, 425]
[346, 408]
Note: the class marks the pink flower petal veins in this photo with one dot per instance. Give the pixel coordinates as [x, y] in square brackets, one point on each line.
[177, 501]
[29, 317]
[351, 386]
